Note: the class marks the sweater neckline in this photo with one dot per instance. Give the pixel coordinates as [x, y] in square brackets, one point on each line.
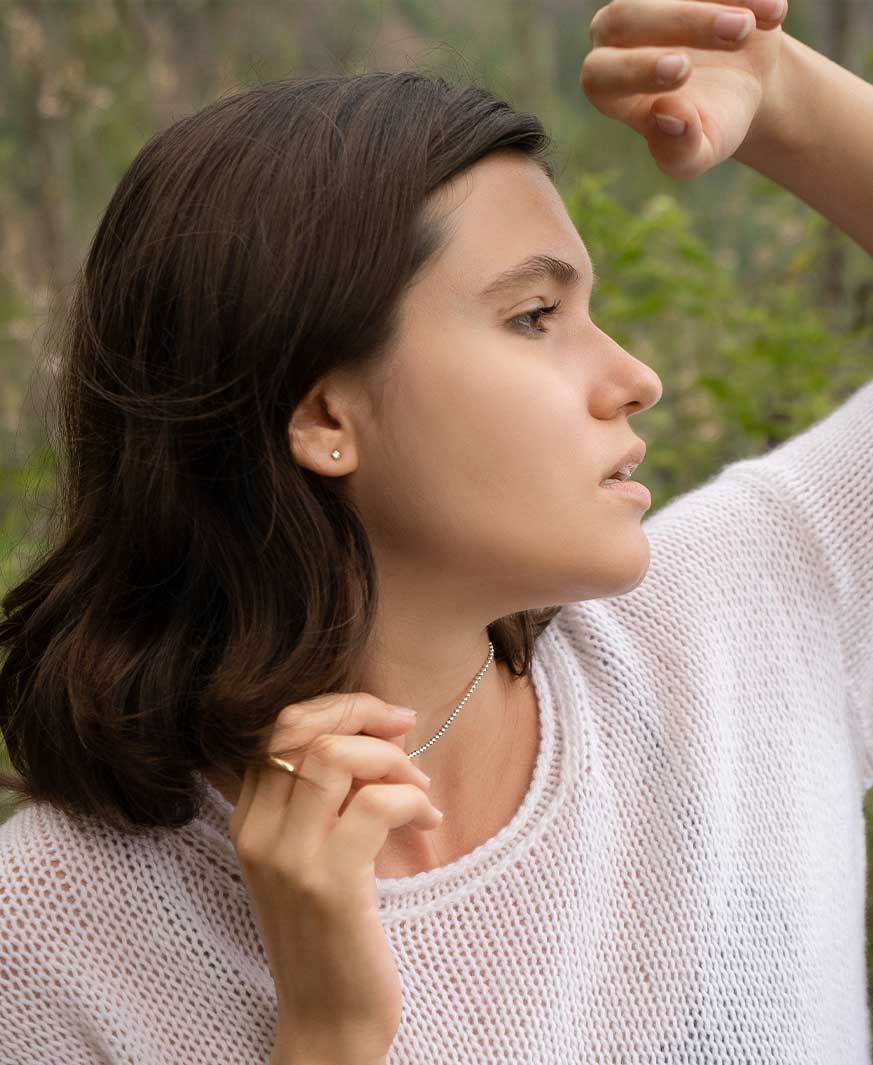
[403, 897]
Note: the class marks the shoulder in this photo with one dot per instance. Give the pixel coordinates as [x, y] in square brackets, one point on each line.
[51, 868]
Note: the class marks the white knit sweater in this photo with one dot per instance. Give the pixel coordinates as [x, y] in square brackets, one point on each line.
[683, 883]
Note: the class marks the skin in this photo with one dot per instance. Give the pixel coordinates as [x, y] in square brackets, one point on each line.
[479, 480]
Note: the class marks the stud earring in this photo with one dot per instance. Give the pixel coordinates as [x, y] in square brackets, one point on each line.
[335, 454]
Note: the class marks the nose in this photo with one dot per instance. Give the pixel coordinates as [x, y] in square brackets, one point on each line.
[650, 388]
[640, 385]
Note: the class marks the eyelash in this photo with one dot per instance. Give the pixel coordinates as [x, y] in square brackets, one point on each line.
[536, 315]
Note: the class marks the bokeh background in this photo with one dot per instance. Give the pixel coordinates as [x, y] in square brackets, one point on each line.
[755, 312]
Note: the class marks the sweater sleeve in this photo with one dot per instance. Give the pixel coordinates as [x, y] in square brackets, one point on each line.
[786, 539]
[825, 475]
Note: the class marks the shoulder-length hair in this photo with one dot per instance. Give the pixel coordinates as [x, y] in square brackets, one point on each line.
[198, 580]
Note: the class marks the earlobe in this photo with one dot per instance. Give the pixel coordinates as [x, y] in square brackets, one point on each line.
[311, 451]
[319, 431]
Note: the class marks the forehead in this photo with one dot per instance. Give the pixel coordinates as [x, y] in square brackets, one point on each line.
[498, 213]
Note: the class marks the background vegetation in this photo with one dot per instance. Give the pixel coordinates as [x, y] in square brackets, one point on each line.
[755, 312]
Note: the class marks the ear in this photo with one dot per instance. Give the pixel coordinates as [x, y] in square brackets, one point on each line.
[321, 424]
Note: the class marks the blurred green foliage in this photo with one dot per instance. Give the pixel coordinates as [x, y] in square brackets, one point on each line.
[23, 491]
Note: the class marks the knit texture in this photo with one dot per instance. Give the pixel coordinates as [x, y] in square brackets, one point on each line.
[683, 883]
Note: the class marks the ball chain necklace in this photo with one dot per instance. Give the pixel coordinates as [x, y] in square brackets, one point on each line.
[479, 676]
[472, 688]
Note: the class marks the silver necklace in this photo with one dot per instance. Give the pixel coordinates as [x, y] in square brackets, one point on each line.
[336, 455]
[479, 676]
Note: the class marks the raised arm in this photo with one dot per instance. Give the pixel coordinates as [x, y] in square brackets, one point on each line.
[814, 135]
[703, 82]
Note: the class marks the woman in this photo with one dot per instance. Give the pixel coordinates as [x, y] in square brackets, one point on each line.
[341, 436]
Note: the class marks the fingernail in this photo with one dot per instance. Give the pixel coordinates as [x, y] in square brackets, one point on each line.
[768, 9]
[733, 26]
[404, 711]
[671, 67]
[667, 124]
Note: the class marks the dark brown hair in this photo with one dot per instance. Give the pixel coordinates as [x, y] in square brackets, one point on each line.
[197, 579]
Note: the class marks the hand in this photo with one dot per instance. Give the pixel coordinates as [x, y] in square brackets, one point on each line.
[717, 98]
[307, 845]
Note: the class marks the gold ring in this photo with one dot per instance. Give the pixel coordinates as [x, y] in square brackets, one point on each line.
[281, 764]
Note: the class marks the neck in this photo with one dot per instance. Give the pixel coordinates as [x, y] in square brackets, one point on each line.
[434, 689]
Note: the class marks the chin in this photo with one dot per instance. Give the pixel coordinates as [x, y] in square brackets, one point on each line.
[629, 572]
[639, 580]
[641, 572]
[611, 582]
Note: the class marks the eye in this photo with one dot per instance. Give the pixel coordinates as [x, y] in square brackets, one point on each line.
[520, 320]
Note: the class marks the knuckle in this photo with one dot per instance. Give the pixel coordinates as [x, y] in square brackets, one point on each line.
[324, 749]
[617, 17]
[349, 703]
[290, 715]
[287, 714]
[350, 707]
[586, 75]
[595, 26]
[289, 729]
[693, 25]
[370, 703]
[369, 800]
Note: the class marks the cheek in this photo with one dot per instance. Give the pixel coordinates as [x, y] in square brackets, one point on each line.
[458, 467]
[494, 467]
[520, 502]
[508, 441]
[495, 478]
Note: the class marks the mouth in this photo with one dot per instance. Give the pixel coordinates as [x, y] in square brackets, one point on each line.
[626, 464]
[619, 476]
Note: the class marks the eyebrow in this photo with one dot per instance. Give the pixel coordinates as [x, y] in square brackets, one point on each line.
[535, 268]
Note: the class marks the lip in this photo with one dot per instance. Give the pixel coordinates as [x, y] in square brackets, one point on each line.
[634, 457]
[630, 490]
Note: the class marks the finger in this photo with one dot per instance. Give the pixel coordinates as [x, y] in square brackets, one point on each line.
[363, 829]
[676, 152]
[295, 729]
[770, 11]
[332, 764]
[632, 23]
[620, 71]
[337, 713]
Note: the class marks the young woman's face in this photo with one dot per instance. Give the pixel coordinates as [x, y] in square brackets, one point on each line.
[482, 474]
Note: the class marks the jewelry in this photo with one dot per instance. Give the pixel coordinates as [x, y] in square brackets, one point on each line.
[472, 688]
[433, 739]
[335, 454]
